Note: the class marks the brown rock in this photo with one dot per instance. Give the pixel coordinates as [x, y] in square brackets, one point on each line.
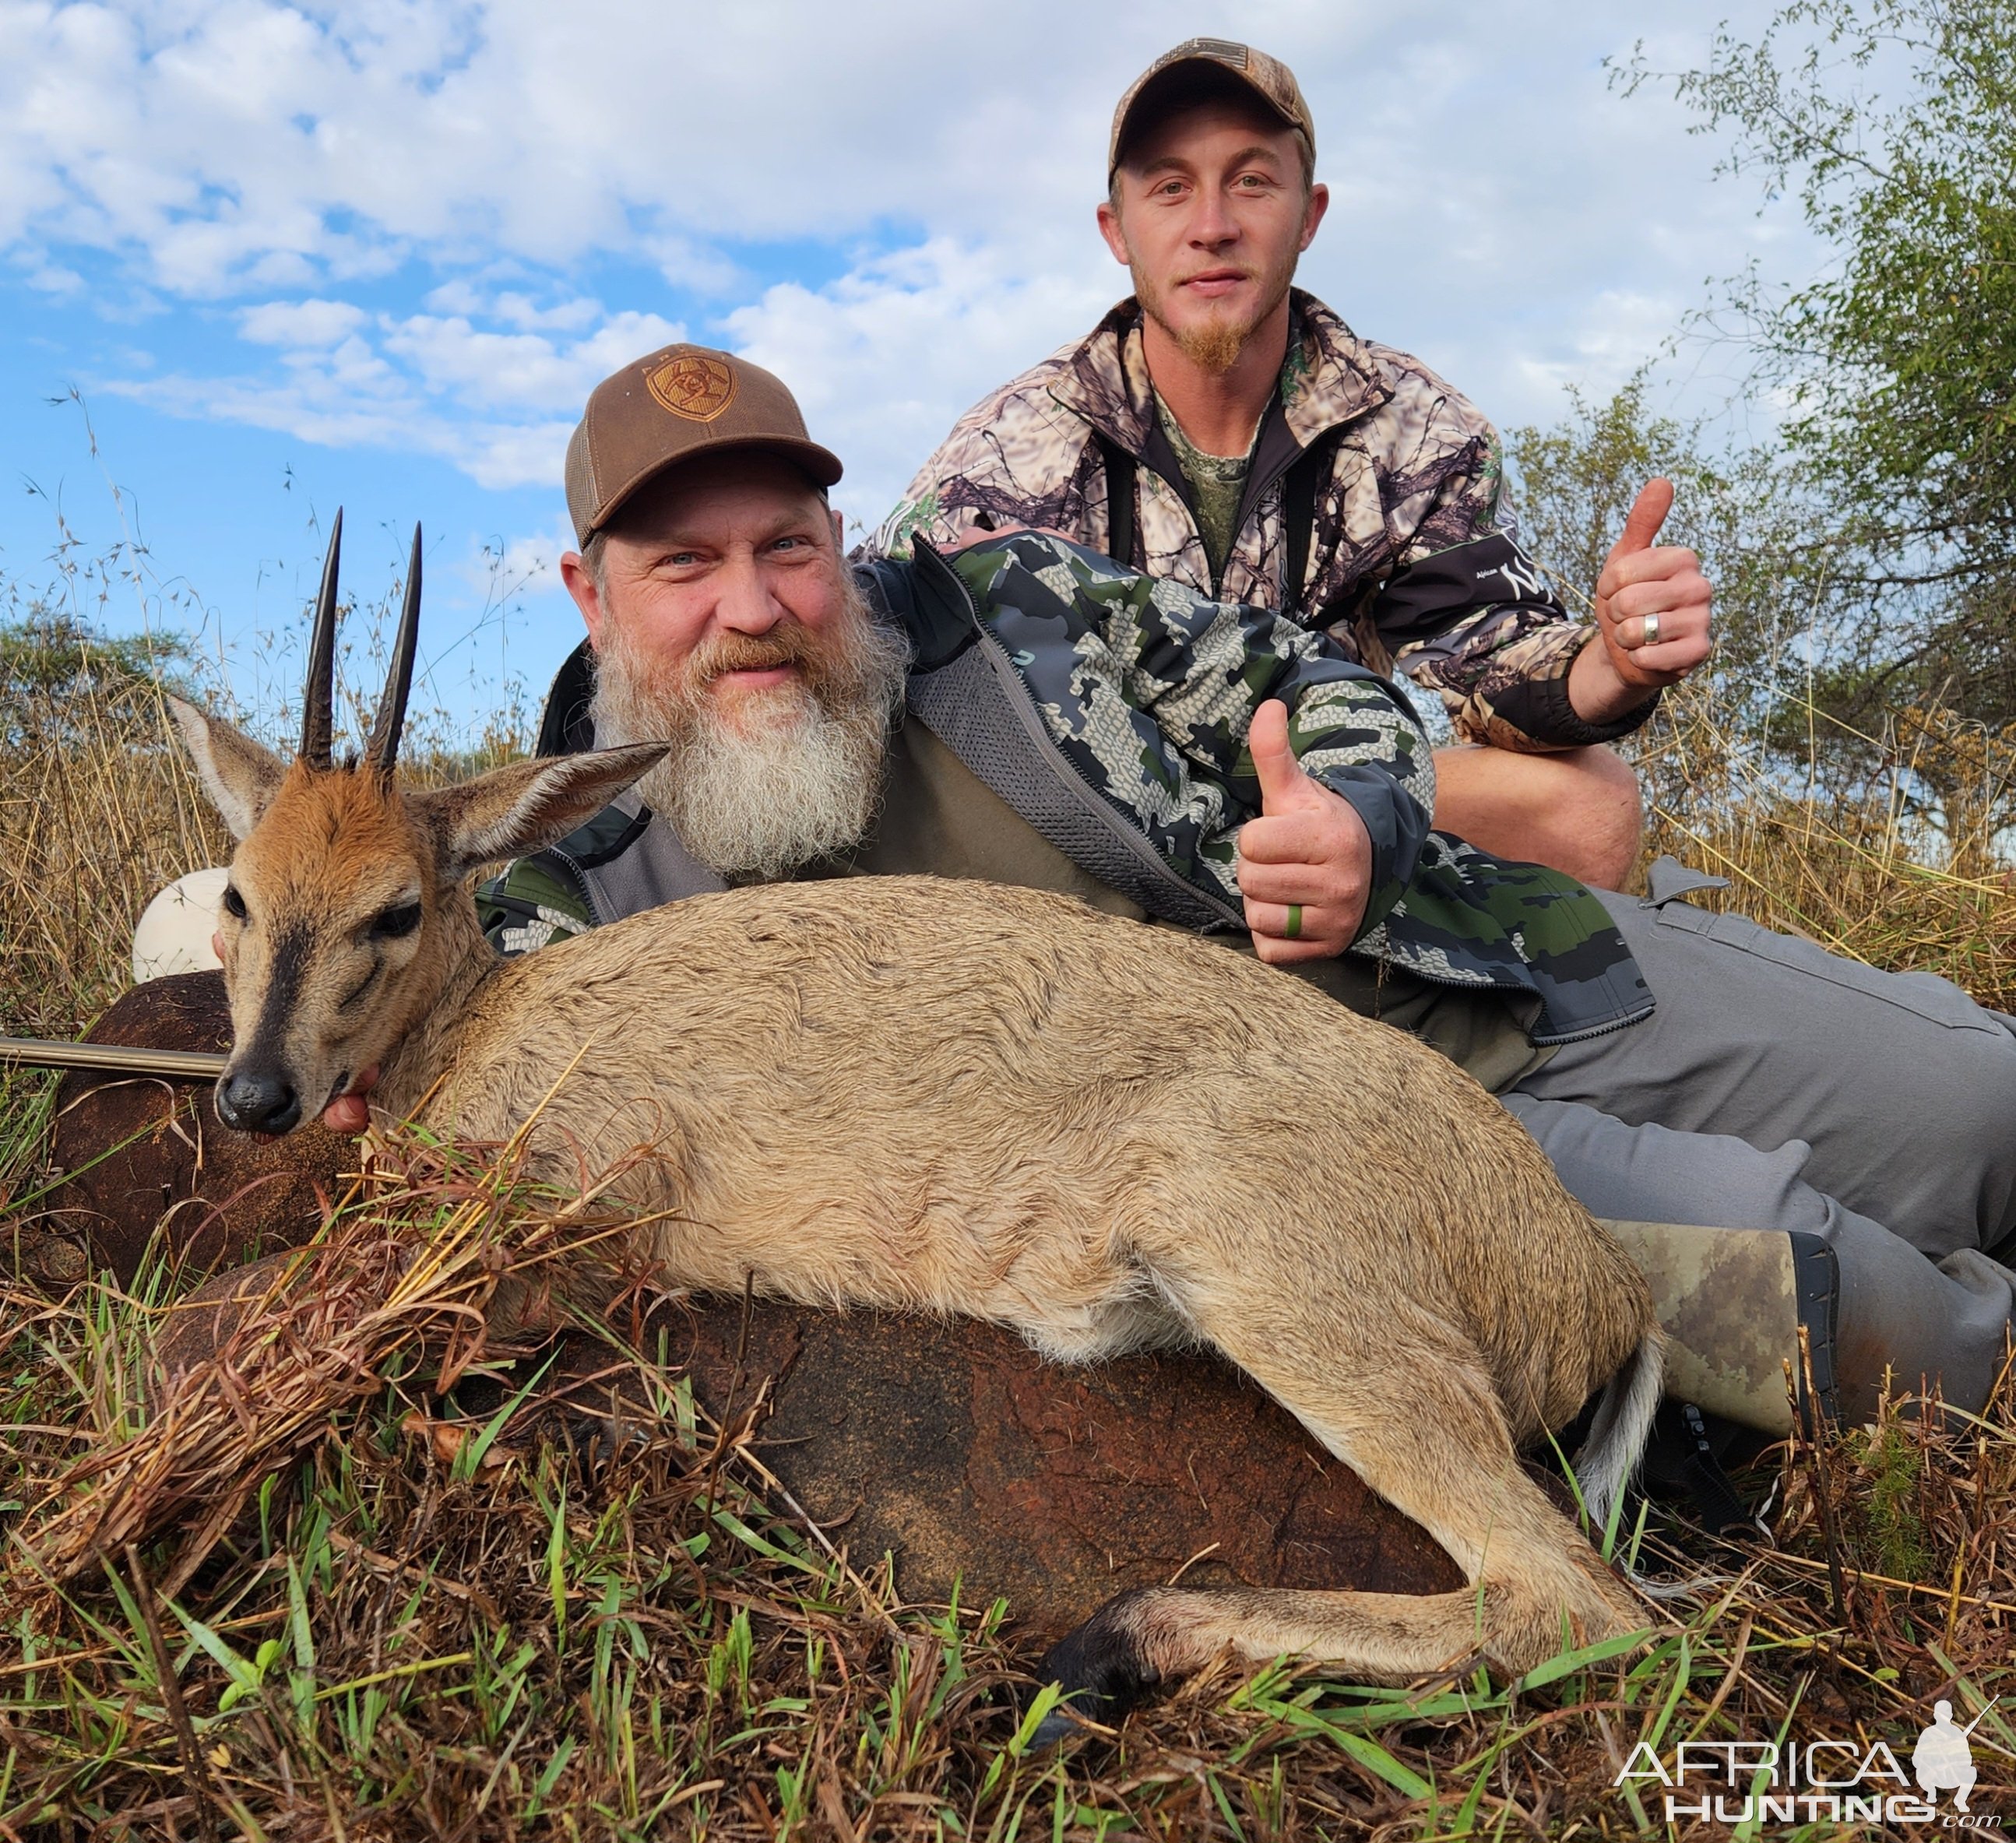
[143, 1152]
[947, 1443]
[952, 1445]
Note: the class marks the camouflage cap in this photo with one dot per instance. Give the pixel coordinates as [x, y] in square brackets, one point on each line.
[672, 406]
[1268, 79]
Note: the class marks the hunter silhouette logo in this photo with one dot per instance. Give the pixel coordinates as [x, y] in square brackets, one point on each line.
[1761, 1782]
[690, 386]
[1942, 1762]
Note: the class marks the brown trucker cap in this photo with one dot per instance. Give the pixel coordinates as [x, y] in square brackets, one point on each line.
[672, 406]
[1268, 79]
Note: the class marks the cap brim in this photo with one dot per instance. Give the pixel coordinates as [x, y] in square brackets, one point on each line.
[822, 466]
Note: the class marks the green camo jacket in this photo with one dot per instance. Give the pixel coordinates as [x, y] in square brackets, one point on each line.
[1110, 711]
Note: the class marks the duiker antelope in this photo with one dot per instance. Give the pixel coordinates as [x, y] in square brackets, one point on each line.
[935, 1096]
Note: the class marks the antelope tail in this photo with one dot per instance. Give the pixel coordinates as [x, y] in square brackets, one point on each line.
[1616, 1437]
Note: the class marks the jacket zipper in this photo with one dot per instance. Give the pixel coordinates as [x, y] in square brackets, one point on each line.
[596, 918]
[1597, 1030]
[1180, 486]
[1623, 1021]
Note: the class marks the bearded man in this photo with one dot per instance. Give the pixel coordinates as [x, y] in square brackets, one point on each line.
[778, 736]
[1230, 432]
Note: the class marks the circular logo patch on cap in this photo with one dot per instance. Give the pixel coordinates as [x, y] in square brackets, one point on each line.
[692, 386]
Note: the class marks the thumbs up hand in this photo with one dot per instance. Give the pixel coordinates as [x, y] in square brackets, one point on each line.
[1305, 864]
[1652, 611]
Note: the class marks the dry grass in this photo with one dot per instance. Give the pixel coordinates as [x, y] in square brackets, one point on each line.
[270, 1609]
[1860, 862]
[97, 812]
[436, 1247]
[100, 806]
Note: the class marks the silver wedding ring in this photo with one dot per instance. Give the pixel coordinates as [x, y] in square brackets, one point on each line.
[1650, 623]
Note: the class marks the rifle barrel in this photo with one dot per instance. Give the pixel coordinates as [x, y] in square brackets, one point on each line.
[116, 1059]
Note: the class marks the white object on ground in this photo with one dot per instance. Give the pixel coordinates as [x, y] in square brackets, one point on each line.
[175, 929]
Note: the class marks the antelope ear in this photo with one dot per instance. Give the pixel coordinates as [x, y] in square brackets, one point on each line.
[240, 777]
[528, 806]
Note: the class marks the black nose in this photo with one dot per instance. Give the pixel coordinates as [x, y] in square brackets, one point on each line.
[248, 1103]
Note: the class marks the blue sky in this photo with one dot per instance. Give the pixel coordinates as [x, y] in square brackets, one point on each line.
[292, 257]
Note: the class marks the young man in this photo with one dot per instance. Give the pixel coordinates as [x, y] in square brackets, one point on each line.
[1028, 713]
[1226, 431]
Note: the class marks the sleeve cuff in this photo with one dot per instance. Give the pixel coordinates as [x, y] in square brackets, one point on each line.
[1540, 708]
[1397, 827]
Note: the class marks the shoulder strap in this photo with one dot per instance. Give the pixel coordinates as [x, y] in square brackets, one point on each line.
[1298, 517]
[1121, 469]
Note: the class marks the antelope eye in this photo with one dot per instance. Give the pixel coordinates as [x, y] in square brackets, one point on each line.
[395, 923]
[234, 904]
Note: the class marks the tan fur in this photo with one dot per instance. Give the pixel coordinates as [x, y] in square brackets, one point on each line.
[311, 904]
[947, 1096]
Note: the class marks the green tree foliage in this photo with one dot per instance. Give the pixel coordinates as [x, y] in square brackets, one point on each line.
[1894, 124]
[1794, 701]
[1901, 359]
[58, 672]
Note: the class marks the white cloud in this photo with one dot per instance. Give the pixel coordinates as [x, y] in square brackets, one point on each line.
[498, 405]
[1497, 209]
[566, 316]
[515, 308]
[205, 136]
[360, 401]
[503, 568]
[882, 360]
[1619, 332]
[460, 296]
[52, 279]
[520, 371]
[299, 324]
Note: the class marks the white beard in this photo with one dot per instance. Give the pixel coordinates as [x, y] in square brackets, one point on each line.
[788, 783]
[755, 790]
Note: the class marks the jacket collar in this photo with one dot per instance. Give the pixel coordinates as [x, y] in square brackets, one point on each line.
[1331, 378]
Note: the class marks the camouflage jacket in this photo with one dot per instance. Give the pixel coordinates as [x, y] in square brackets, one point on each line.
[1110, 710]
[1413, 560]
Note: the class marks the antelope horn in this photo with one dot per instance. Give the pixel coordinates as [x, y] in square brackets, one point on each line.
[318, 695]
[382, 750]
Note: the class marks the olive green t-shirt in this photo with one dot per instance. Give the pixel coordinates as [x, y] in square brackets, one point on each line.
[1218, 484]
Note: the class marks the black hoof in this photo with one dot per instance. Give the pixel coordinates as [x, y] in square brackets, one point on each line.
[1103, 1668]
[1054, 1729]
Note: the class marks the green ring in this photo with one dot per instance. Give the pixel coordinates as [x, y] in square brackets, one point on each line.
[1294, 931]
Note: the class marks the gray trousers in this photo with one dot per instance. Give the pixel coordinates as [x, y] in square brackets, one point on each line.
[1777, 1086]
